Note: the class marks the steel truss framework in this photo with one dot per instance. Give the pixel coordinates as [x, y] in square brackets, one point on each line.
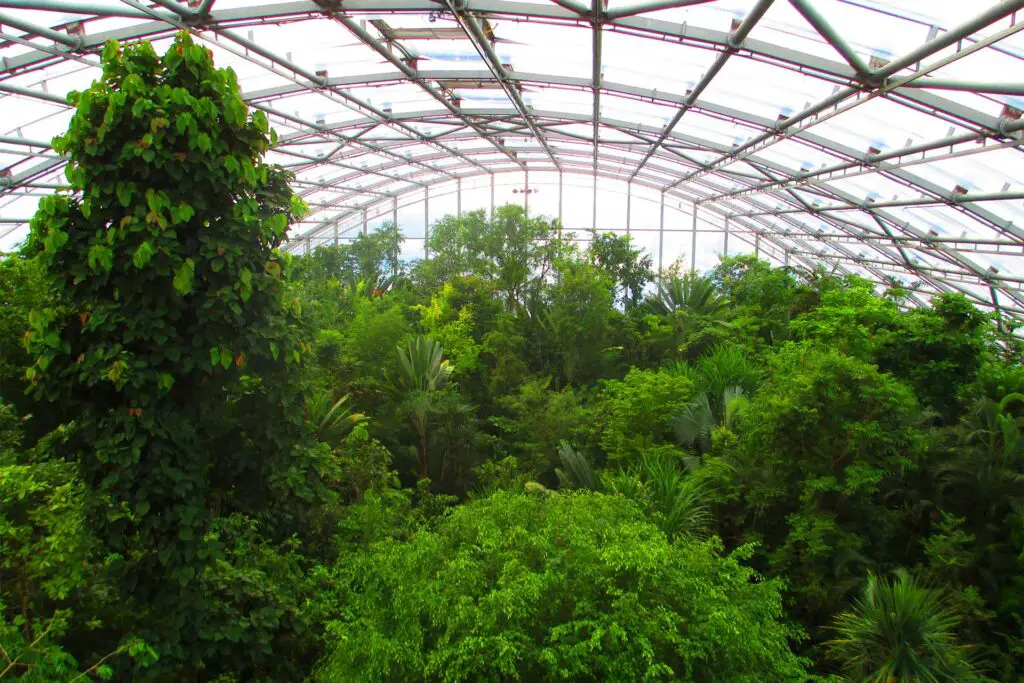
[373, 158]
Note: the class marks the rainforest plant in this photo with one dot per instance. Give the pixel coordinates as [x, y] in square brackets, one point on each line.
[170, 346]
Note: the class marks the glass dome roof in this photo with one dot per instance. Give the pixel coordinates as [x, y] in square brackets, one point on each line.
[881, 138]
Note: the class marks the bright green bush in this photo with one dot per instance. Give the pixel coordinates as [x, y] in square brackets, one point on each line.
[640, 410]
[555, 587]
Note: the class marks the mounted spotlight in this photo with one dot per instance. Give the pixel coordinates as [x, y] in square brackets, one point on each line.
[525, 190]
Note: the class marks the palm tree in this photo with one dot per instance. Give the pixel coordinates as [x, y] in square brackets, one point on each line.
[699, 418]
[688, 293]
[423, 371]
[728, 365]
[900, 632]
[675, 499]
[695, 311]
[578, 474]
[722, 378]
[334, 420]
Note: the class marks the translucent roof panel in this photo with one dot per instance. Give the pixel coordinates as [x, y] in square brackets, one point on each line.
[880, 137]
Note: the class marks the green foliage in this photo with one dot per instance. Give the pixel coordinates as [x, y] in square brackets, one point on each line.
[536, 420]
[695, 314]
[184, 497]
[560, 587]
[576, 472]
[453, 326]
[422, 373]
[848, 319]
[372, 259]
[22, 289]
[640, 410]
[172, 346]
[511, 248]
[900, 632]
[422, 366]
[937, 349]
[629, 268]
[334, 421]
[579, 320]
[677, 502]
[763, 299]
[824, 442]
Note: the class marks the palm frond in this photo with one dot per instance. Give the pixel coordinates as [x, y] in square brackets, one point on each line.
[690, 293]
[422, 366]
[728, 365]
[576, 472]
[899, 631]
[693, 426]
[335, 420]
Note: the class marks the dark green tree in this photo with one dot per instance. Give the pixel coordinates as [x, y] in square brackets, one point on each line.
[628, 267]
[826, 442]
[171, 354]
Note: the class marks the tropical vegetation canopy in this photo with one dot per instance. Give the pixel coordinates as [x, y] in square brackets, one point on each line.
[528, 457]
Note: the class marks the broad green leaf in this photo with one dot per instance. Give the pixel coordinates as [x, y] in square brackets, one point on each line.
[184, 276]
[143, 254]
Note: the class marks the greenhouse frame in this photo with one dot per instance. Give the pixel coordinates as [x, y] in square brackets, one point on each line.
[875, 137]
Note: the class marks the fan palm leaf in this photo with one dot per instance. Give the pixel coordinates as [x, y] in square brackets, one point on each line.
[899, 632]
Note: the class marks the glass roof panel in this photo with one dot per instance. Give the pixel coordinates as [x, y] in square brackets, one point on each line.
[356, 129]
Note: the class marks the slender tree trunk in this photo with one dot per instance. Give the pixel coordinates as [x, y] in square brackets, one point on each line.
[424, 473]
[26, 626]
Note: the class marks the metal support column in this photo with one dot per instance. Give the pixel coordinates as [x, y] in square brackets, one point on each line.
[693, 243]
[426, 222]
[366, 224]
[394, 210]
[336, 238]
[757, 246]
[492, 194]
[786, 258]
[594, 212]
[526, 194]
[661, 239]
[629, 206]
[458, 197]
[559, 196]
[725, 243]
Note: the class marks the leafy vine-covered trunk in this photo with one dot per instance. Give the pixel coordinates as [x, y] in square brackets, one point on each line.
[169, 348]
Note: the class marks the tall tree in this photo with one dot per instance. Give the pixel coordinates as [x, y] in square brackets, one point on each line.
[171, 349]
[422, 373]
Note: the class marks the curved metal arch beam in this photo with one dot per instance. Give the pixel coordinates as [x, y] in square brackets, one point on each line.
[994, 127]
[648, 181]
[768, 230]
[719, 41]
[358, 172]
[818, 142]
[898, 264]
[356, 210]
[938, 284]
[823, 144]
[953, 256]
[403, 161]
[504, 8]
[879, 276]
[307, 9]
[652, 181]
[904, 177]
[606, 172]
